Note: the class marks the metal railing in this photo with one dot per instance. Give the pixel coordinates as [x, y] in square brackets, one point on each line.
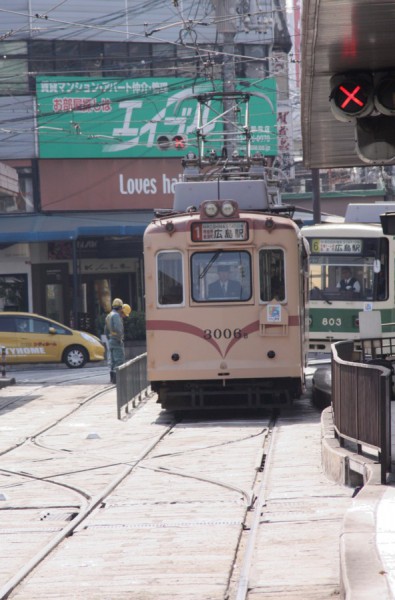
[361, 402]
[132, 383]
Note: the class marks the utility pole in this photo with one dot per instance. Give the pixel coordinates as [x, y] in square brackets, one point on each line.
[315, 176]
[225, 11]
[235, 16]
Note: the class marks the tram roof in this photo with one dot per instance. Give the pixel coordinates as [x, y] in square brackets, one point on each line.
[368, 213]
[339, 36]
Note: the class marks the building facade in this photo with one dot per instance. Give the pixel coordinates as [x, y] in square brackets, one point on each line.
[97, 108]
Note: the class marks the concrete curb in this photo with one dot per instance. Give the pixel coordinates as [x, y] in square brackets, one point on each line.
[4, 381]
[362, 573]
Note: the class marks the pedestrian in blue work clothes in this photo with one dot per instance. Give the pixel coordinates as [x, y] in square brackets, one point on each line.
[114, 330]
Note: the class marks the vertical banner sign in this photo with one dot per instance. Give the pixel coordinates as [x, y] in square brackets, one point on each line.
[285, 138]
[143, 118]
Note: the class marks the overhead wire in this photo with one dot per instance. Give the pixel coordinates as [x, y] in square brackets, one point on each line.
[195, 46]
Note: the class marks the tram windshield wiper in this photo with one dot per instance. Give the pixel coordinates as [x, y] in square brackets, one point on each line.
[322, 295]
[210, 264]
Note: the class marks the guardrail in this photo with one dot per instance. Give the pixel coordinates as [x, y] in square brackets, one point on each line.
[132, 383]
[361, 402]
[3, 361]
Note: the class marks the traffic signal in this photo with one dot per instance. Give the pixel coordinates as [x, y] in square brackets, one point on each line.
[351, 95]
[375, 137]
[368, 100]
[163, 142]
[179, 142]
[384, 95]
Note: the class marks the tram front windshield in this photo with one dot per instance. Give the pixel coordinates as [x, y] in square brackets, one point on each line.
[349, 269]
[221, 276]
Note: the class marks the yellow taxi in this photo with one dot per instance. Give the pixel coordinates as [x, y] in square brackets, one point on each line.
[30, 338]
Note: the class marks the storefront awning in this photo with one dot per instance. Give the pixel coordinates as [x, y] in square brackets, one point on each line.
[25, 228]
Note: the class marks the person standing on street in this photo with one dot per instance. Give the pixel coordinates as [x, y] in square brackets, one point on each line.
[114, 330]
[126, 310]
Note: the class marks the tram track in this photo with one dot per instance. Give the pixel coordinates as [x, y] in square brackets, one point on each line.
[90, 514]
[241, 587]
[168, 508]
[88, 502]
[38, 389]
[92, 504]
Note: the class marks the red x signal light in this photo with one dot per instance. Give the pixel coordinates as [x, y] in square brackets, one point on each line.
[179, 142]
[351, 96]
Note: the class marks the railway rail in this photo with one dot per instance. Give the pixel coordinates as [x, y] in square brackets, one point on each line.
[152, 507]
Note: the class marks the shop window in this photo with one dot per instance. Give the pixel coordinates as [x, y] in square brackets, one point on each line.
[42, 57]
[68, 58]
[13, 68]
[21, 201]
[92, 57]
[164, 60]
[13, 293]
[116, 60]
[187, 61]
[140, 60]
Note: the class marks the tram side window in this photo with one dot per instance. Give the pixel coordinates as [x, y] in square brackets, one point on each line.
[271, 274]
[170, 278]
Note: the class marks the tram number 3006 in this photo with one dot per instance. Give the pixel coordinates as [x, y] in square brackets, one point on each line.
[227, 334]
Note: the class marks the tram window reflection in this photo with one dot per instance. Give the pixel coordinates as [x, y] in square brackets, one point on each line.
[170, 278]
[271, 275]
[380, 287]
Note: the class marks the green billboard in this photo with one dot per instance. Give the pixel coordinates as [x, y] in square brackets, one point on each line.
[152, 117]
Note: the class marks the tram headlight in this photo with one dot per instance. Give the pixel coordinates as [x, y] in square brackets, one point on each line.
[211, 209]
[228, 209]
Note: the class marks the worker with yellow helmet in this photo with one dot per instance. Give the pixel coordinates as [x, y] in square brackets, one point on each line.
[126, 310]
[114, 330]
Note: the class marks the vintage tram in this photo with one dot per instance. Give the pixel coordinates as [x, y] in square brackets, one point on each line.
[361, 247]
[226, 276]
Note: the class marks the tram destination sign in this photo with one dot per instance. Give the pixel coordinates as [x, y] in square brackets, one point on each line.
[234, 231]
[336, 246]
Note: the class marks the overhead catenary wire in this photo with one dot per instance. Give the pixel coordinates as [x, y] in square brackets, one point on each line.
[189, 20]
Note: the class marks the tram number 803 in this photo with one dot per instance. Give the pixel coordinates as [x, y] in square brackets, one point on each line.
[332, 322]
[227, 334]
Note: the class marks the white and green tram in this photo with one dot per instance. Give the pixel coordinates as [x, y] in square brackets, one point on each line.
[359, 244]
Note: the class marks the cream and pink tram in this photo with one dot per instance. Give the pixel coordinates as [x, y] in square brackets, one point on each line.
[242, 344]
